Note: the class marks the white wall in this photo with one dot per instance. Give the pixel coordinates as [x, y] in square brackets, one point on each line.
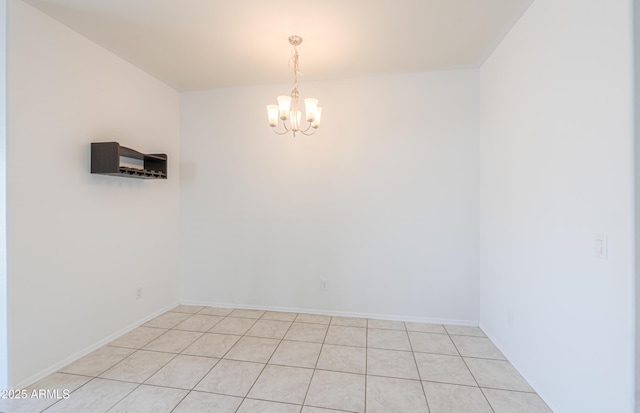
[80, 244]
[3, 176]
[382, 201]
[556, 162]
[636, 122]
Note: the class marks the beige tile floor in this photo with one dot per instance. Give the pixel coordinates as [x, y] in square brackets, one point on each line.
[205, 359]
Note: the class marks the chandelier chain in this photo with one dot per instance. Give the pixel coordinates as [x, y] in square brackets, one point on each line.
[296, 66]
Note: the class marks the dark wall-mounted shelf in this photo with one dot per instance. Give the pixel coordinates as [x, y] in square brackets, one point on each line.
[109, 158]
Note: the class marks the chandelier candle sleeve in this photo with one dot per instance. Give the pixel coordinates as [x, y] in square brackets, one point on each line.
[295, 120]
[287, 107]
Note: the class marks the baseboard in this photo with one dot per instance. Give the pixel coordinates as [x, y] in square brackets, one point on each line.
[471, 323]
[57, 366]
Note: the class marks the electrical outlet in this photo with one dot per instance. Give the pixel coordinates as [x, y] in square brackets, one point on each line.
[324, 284]
[138, 293]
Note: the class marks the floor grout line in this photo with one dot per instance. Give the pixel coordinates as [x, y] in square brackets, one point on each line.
[366, 363]
[413, 354]
[315, 367]
[265, 364]
[472, 375]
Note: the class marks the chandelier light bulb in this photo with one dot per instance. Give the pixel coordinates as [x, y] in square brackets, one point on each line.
[284, 102]
[310, 105]
[316, 121]
[273, 112]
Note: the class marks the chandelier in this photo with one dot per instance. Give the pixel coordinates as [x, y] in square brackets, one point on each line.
[287, 107]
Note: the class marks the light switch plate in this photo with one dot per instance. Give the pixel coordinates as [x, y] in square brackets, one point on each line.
[600, 246]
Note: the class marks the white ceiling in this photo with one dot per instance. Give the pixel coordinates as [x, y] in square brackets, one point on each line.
[200, 44]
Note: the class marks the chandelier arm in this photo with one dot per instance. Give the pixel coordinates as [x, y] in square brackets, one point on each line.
[304, 132]
[286, 130]
[308, 127]
[280, 133]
